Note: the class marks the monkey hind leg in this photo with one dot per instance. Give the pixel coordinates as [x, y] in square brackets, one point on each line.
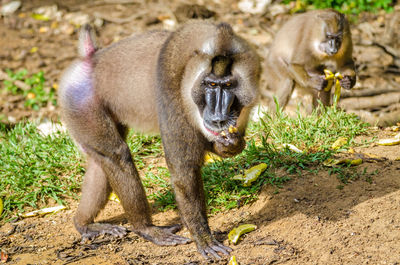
[281, 89]
[103, 140]
[95, 193]
[323, 96]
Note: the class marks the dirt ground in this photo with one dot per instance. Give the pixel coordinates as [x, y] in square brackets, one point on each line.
[313, 219]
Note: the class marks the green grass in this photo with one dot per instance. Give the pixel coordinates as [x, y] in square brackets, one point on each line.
[37, 96]
[35, 169]
[345, 6]
[313, 134]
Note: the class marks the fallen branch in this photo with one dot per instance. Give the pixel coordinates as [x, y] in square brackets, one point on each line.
[367, 92]
[18, 83]
[116, 20]
[356, 103]
[383, 119]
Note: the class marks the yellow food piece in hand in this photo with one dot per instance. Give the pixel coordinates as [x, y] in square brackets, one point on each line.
[211, 158]
[329, 76]
[235, 233]
[232, 129]
[113, 197]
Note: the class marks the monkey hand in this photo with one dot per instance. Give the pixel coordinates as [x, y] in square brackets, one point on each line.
[209, 247]
[163, 235]
[318, 82]
[347, 81]
[229, 143]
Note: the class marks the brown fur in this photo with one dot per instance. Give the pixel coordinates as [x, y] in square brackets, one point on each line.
[152, 82]
[296, 59]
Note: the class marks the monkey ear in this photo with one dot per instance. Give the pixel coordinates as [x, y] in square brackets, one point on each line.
[324, 16]
[87, 41]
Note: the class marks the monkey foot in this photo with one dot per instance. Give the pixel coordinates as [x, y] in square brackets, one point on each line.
[163, 235]
[96, 229]
[212, 249]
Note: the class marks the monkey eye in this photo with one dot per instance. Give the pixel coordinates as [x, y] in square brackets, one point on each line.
[228, 84]
[213, 84]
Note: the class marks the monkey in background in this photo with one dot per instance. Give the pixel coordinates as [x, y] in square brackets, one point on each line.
[196, 86]
[307, 44]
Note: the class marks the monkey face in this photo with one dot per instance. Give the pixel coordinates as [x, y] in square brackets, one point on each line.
[221, 108]
[332, 43]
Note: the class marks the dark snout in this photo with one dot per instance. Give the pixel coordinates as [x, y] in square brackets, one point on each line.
[218, 105]
[333, 47]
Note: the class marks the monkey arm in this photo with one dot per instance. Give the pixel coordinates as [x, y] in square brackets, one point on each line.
[184, 151]
[349, 74]
[307, 77]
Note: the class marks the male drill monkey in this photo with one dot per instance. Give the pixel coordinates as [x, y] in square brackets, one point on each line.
[306, 45]
[196, 85]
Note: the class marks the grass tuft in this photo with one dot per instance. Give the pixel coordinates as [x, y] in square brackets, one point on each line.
[35, 169]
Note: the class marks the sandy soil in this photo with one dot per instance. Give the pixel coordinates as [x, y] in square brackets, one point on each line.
[313, 219]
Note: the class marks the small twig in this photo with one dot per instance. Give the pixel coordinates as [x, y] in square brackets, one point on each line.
[370, 102]
[386, 48]
[118, 20]
[368, 92]
[18, 83]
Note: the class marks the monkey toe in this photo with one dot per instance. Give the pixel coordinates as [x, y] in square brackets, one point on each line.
[212, 250]
[163, 235]
[97, 229]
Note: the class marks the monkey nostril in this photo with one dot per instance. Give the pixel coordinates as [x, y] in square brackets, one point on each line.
[219, 122]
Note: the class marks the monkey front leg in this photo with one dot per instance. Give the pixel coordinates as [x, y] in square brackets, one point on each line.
[308, 78]
[349, 75]
[189, 193]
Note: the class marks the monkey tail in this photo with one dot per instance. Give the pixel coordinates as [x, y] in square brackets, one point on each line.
[87, 42]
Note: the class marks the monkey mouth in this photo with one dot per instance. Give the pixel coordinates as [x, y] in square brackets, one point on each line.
[211, 131]
[223, 130]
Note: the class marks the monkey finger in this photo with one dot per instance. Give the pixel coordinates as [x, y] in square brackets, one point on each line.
[346, 82]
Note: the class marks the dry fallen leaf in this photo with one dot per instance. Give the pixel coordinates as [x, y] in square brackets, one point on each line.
[44, 211]
[3, 257]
